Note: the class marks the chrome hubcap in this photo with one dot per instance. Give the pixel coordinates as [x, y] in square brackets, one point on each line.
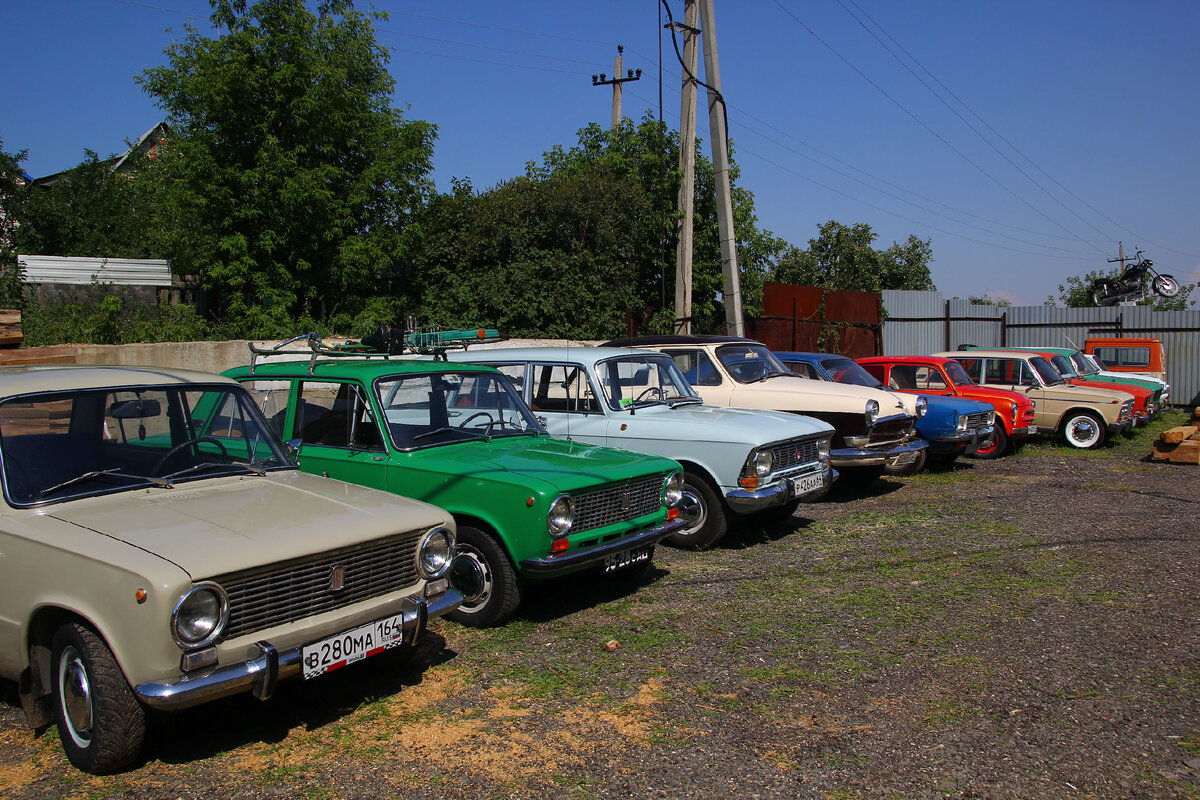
[1083, 431]
[75, 694]
[691, 509]
[485, 590]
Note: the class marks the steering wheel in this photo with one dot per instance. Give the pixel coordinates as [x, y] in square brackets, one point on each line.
[657, 391]
[463, 424]
[167, 455]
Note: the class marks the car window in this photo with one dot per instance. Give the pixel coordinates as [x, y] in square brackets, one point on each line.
[1010, 371]
[803, 369]
[696, 367]
[973, 367]
[562, 387]
[904, 376]
[515, 373]
[1124, 356]
[271, 399]
[440, 408]
[638, 380]
[335, 415]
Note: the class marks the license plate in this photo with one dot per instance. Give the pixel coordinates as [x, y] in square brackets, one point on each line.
[904, 458]
[353, 645]
[627, 559]
[809, 483]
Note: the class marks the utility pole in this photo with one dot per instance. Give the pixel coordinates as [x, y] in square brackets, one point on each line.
[734, 324]
[600, 80]
[687, 168]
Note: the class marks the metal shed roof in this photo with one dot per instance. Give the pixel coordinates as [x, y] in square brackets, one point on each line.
[85, 271]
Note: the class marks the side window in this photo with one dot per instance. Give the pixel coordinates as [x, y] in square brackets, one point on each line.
[515, 374]
[562, 387]
[904, 376]
[335, 415]
[973, 368]
[696, 366]
[271, 398]
[803, 369]
[928, 378]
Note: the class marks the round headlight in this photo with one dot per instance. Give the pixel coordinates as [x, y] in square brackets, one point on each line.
[823, 449]
[435, 553]
[673, 489]
[562, 514]
[872, 412]
[199, 616]
[922, 406]
[764, 462]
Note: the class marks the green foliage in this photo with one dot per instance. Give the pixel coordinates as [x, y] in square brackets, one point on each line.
[988, 300]
[11, 196]
[104, 314]
[290, 179]
[842, 257]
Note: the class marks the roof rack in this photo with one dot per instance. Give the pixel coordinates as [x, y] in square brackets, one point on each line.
[387, 341]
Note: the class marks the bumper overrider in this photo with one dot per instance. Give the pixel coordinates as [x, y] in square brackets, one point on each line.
[969, 441]
[792, 487]
[546, 566]
[261, 675]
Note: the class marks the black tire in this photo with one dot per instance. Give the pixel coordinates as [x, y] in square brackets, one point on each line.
[998, 447]
[911, 468]
[501, 592]
[1165, 285]
[707, 518]
[1084, 429]
[100, 721]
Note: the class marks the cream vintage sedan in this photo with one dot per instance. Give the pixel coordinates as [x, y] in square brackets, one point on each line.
[143, 565]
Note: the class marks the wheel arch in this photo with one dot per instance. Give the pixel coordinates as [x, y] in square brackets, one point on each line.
[35, 682]
[1076, 410]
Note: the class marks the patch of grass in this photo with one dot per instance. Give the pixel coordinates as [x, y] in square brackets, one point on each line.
[1191, 744]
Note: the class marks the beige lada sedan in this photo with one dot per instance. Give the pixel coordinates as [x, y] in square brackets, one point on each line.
[872, 428]
[1085, 416]
[143, 565]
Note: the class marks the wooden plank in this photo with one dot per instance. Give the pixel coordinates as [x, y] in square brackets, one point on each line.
[1183, 453]
[1178, 434]
[54, 354]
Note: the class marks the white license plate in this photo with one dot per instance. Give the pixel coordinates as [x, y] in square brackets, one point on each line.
[904, 458]
[627, 559]
[808, 483]
[353, 645]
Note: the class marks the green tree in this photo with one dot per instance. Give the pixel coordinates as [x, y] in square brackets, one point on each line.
[290, 180]
[843, 257]
[12, 191]
[988, 300]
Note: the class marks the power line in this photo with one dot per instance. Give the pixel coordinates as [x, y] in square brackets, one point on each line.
[590, 64]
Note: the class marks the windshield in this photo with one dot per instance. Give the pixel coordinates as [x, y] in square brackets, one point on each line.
[437, 408]
[639, 380]
[1082, 365]
[957, 375]
[1045, 371]
[100, 441]
[845, 370]
[749, 363]
[1063, 366]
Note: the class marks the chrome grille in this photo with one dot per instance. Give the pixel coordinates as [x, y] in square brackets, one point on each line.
[977, 421]
[793, 452]
[891, 429]
[280, 593]
[614, 504]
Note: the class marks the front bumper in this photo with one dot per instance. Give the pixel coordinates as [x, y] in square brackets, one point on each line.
[548, 566]
[966, 442]
[874, 457]
[745, 501]
[261, 675]
[1028, 430]
[1120, 427]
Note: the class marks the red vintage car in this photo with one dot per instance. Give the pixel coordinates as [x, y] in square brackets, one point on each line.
[945, 376]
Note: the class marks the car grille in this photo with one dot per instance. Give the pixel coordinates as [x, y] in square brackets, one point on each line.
[614, 504]
[280, 593]
[892, 429]
[977, 421]
[792, 453]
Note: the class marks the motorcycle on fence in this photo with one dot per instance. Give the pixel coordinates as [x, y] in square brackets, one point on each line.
[1133, 283]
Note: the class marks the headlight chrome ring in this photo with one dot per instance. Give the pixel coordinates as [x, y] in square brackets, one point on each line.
[561, 516]
[200, 616]
[435, 552]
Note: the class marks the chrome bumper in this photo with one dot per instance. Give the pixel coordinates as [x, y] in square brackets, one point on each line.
[261, 675]
[550, 565]
[744, 501]
[862, 457]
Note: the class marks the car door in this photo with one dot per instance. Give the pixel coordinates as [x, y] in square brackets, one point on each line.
[338, 434]
[565, 401]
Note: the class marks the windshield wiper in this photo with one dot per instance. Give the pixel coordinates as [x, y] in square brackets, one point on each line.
[447, 429]
[210, 465]
[87, 476]
[680, 399]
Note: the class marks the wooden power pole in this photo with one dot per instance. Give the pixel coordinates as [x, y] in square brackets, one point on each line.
[734, 323]
[617, 80]
[687, 169]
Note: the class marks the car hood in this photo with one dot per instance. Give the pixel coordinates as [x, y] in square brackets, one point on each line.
[221, 525]
[539, 463]
[953, 406]
[1073, 392]
[789, 392]
[987, 394]
[694, 421]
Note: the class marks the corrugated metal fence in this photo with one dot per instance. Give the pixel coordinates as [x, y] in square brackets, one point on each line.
[83, 271]
[926, 322]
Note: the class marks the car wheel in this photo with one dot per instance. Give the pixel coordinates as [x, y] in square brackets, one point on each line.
[100, 721]
[704, 514]
[501, 592]
[996, 448]
[1084, 430]
[911, 468]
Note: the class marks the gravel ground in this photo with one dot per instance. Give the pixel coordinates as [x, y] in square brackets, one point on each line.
[1021, 628]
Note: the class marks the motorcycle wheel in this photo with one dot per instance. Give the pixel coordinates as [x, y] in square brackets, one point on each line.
[1165, 285]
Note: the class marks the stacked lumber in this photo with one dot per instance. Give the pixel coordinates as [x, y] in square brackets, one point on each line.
[10, 327]
[1181, 444]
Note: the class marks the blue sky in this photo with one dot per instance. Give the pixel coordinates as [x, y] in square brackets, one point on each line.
[1063, 127]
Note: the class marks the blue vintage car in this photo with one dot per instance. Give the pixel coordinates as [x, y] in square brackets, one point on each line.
[953, 426]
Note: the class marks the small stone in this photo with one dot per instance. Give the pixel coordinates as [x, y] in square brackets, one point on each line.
[611, 644]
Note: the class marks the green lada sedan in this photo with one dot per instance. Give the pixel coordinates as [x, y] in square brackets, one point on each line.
[528, 506]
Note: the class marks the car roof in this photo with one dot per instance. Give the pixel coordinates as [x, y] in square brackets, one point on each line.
[654, 341]
[32, 378]
[365, 369]
[993, 353]
[904, 359]
[582, 355]
[808, 356]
